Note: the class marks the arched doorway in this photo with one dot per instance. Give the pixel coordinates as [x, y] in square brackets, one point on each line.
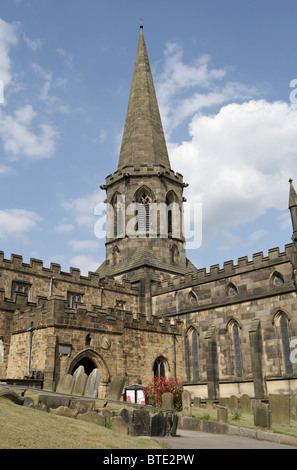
[90, 359]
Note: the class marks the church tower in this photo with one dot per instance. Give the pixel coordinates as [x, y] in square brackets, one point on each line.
[145, 240]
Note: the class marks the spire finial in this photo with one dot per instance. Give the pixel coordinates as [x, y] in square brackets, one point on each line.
[141, 23]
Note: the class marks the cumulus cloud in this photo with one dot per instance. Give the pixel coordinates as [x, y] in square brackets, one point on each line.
[81, 209]
[16, 222]
[20, 139]
[83, 245]
[184, 89]
[8, 39]
[85, 263]
[238, 162]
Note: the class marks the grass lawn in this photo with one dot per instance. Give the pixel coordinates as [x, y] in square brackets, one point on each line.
[26, 428]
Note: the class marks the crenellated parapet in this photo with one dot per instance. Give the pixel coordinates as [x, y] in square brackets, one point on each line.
[230, 269]
[53, 312]
[143, 171]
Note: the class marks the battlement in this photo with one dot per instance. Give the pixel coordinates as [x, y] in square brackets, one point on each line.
[259, 261]
[143, 170]
[53, 312]
[36, 268]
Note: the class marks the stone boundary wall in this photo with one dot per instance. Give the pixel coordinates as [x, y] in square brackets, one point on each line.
[192, 424]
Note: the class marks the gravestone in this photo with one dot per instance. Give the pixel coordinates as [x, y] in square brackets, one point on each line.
[222, 414]
[116, 388]
[93, 417]
[82, 406]
[262, 417]
[53, 401]
[92, 385]
[77, 371]
[167, 401]
[279, 406]
[80, 381]
[233, 403]
[119, 425]
[158, 425]
[245, 404]
[66, 384]
[197, 402]
[187, 404]
[140, 423]
[13, 396]
[126, 417]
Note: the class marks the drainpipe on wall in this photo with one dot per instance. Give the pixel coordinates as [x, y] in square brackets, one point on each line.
[30, 349]
[174, 353]
[176, 301]
[51, 286]
[101, 295]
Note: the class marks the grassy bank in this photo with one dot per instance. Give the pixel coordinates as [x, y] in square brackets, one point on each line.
[26, 428]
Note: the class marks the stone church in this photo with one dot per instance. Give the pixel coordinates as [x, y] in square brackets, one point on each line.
[147, 311]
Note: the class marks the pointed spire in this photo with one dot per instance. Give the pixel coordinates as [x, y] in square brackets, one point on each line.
[293, 195]
[143, 139]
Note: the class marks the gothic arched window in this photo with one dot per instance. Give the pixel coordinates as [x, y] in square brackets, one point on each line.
[283, 326]
[192, 346]
[160, 367]
[144, 199]
[118, 204]
[234, 330]
[171, 204]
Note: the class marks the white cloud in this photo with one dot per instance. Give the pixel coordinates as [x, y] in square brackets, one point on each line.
[238, 162]
[16, 222]
[33, 44]
[85, 263]
[64, 228]
[20, 140]
[8, 38]
[84, 245]
[67, 58]
[184, 89]
[82, 209]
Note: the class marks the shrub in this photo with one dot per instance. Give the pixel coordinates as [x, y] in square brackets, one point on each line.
[159, 385]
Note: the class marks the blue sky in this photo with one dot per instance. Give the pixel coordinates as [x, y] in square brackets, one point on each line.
[222, 72]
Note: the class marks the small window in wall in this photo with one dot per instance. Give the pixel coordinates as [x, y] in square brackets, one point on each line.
[72, 298]
[20, 287]
[192, 299]
[120, 304]
[237, 350]
[277, 279]
[159, 367]
[231, 290]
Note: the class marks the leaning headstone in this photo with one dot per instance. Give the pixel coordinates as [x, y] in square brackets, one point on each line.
[93, 417]
[262, 417]
[233, 403]
[279, 406]
[79, 370]
[187, 404]
[118, 425]
[66, 384]
[222, 414]
[63, 411]
[116, 388]
[92, 385]
[80, 383]
[245, 404]
[167, 401]
[82, 406]
[158, 425]
[13, 396]
[126, 417]
[140, 423]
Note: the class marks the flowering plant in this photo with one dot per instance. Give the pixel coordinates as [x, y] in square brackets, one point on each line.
[159, 385]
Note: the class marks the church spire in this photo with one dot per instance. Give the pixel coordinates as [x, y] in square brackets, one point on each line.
[143, 138]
